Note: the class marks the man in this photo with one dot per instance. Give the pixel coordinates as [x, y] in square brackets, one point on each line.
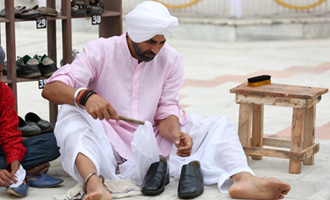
[32, 154]
[138, 75]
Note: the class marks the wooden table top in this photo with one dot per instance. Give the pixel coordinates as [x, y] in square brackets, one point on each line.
[279, 90]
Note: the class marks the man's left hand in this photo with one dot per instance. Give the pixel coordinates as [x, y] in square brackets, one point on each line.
[185, 145]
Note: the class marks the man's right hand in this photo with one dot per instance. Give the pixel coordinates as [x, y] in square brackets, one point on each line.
[6, 178]
[99, 108]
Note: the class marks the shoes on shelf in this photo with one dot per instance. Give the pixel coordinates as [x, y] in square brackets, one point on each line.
[28, 129]
[191, 181]
[28, 13]
[27, 67]
[46, 65]
[31, 13]
[17, 9]
[46, 11]
[43, 181]
[44, 125]
[20, 191]
[156, 178]
[78, 10]
[95, 8]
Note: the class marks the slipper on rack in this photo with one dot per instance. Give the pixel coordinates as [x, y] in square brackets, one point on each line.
[43, 181]
[46, 11]
[17, 9]
[28, 13]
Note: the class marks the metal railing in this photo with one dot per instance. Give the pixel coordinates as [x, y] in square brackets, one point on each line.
[240, 8]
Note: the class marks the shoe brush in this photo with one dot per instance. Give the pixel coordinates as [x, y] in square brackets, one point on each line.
[259, 81]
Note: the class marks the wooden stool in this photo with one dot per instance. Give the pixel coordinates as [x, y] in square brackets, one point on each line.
[302, 99]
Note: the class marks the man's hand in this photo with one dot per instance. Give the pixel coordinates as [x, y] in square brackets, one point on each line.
[7, 178]
[183, 143]
[99, 108]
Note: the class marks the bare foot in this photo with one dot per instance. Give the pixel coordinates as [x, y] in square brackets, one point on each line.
[247, 186]
[96, 191]
[37, 169]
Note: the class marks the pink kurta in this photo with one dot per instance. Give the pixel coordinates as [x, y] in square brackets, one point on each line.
[145, 91]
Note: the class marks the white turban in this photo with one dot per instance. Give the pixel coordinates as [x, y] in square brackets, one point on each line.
[148, 19]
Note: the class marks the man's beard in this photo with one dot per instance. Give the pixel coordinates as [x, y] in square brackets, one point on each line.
[142, 55]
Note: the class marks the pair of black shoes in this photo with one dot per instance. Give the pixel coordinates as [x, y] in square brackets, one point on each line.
[35, 67]
[190, 184]
[34, 125]
[81, 8]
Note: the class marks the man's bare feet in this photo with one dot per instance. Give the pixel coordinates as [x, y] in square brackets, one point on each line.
[247, 186]
[96, 190]
[37, 169]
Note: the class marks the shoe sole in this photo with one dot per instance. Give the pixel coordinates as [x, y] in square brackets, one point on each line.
[156, 192]
[190, 195]
[14, 193]
[34, 75]
[48, 74]
[50, 186]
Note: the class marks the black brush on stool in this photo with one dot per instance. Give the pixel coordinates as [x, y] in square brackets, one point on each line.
[156, 178]
[191, 181]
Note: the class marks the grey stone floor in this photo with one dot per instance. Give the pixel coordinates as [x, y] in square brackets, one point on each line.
[209, 61]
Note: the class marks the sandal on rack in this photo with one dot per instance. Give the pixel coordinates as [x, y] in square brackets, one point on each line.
[29, 13]
[17, 9]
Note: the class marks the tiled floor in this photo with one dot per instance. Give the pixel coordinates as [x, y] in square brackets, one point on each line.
[211, 70]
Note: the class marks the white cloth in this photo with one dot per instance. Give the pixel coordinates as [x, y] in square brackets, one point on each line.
[216, 146]
[76, 131]
[19, 176]
[118, 189]
[148, 19]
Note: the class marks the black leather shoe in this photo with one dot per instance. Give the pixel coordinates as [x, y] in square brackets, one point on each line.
[28, 129]
[27, 67]
[44, 125]
[156, 178]
[191, 181]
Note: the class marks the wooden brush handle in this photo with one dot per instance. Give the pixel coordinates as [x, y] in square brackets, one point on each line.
[131, 120]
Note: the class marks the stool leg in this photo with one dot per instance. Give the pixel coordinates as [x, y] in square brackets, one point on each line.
[257, 127]
[309, 132]
[244, 125]
[297, 131]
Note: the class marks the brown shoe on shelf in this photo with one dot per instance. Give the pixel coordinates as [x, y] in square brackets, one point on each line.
[46, 11]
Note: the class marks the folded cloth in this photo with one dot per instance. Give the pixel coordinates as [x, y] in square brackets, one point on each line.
[118, 188]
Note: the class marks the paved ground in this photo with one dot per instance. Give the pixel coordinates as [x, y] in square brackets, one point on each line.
[211, 70]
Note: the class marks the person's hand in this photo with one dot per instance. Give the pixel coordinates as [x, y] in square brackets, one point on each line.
[183, 143]
[99, 108]
[14, 166]
[7, 178]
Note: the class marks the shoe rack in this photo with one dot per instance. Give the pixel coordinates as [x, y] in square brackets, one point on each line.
[111, 24]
